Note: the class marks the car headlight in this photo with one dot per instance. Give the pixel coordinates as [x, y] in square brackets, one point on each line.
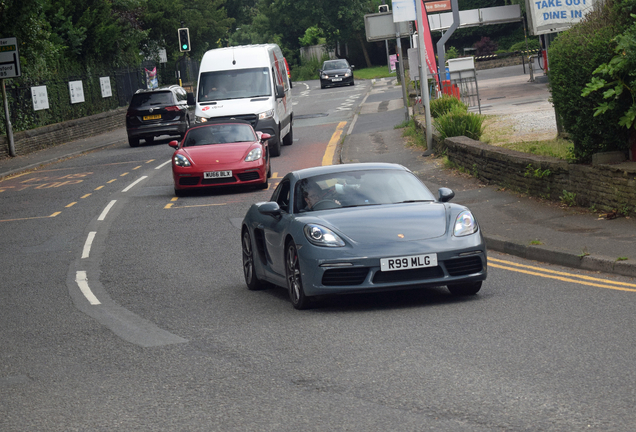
[266, 114]
[181, 160]
[198, 119]
[465, 224]
[321, 236]
[254, 155]
[324, 77]
[347, 74]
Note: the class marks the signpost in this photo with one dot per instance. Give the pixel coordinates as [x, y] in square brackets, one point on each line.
[9, 68]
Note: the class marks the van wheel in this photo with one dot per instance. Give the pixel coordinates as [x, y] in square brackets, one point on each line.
[133, 142]
[274, 147]
[289, 138]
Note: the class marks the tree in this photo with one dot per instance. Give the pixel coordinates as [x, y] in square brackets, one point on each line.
[207, 20]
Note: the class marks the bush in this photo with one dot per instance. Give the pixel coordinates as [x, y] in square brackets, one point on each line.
[308, 69]
[485, 46]
[459, 122]
[445, 104]
[452, 53]
[574, 55]
[533, 44]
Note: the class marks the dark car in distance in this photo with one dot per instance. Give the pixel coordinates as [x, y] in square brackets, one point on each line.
[336, 73]
[160, 111]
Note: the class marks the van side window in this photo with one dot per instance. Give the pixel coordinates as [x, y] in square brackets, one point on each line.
[283, 69]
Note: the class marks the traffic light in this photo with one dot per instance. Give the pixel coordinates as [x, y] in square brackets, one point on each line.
[184, 39]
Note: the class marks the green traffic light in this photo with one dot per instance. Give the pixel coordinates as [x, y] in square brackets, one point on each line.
[184, 46]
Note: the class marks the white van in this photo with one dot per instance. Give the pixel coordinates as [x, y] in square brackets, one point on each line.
[249, 83]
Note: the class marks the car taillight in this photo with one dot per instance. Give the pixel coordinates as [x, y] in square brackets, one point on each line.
[172, 108]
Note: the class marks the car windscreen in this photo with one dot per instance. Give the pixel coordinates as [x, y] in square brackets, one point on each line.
[360, 188]
[234, 84]
[219, 134]
[154, 98]
[332, 65]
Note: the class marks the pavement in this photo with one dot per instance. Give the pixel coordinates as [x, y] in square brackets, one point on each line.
[512, 223]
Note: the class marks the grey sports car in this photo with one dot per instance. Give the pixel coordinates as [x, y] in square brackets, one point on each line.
[358, 228]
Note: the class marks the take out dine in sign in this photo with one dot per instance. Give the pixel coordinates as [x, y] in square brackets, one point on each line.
[550, 16]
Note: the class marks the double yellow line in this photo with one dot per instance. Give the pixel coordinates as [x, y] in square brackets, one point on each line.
[562, 276]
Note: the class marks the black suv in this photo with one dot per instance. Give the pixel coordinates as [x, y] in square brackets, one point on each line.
[160, 111]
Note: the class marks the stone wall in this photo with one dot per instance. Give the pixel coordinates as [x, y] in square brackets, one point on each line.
[47, 136]
[607, 187]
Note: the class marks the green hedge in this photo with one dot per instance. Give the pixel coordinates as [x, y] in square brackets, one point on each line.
[573, 56]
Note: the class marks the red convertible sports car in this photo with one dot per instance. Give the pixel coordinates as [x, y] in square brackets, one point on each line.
[220, 154]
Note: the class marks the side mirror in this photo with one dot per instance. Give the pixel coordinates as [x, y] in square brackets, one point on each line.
[445, 194]
[174, 144]
[265, 137]
[352, 66]
[191, 100]
[280, 92]
[270, 209]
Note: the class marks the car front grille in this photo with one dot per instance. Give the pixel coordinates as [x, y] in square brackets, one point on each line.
[463, 266]
[408, 275]
[344, 276]
[189, 181]
[214, 181]
[250, 118]
[252, 175]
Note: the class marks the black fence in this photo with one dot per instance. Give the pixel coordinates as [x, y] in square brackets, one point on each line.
[124, 83]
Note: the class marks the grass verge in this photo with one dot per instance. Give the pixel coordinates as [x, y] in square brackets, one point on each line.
[373, 72]
[413, 134]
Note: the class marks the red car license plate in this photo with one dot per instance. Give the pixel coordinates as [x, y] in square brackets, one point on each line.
[217, 174]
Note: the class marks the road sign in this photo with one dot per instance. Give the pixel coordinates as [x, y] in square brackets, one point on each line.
[380, 26]
[9, 58]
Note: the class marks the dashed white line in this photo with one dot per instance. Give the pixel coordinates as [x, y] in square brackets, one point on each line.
[82, 282]
[87, 246]
[134, 183]
[106, 210]
[164, 164]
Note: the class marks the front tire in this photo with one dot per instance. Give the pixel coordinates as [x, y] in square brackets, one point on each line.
[249, 271]
[467, 289]
[289, 138]
[133, 142]
[294, 281]
[274, 148]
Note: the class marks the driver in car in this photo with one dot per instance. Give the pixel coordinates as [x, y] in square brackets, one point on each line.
[314, 194]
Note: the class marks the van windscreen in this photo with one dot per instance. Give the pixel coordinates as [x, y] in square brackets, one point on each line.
[234, 84]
